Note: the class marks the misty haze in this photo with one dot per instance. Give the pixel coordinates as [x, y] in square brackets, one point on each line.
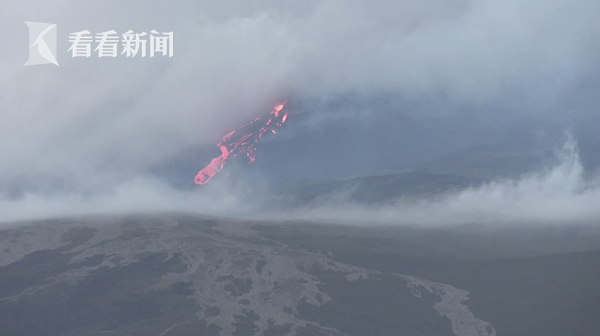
[302, 168]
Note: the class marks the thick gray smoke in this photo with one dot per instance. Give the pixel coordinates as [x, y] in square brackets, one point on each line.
[83, 137]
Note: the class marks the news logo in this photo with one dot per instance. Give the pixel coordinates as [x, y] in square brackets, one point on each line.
[42, 43]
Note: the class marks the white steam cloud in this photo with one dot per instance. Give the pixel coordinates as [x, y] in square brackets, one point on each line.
[557, 196]
[560, 195]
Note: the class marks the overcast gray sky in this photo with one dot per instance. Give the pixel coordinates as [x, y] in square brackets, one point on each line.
[95, 123]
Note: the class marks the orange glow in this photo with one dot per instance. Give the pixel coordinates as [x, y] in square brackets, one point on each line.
[243, 144]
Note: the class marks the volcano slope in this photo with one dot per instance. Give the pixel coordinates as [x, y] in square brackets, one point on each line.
[184, 274]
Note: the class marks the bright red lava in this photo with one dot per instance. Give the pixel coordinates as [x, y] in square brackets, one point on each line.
[242, 141]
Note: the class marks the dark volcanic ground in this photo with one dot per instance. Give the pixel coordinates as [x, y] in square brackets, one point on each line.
[181, 274]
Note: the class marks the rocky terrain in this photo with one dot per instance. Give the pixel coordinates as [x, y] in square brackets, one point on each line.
[180, 274]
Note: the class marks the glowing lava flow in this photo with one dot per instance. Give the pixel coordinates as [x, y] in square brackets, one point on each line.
[242, 141]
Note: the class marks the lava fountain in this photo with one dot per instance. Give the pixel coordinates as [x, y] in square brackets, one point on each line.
[242, 141]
